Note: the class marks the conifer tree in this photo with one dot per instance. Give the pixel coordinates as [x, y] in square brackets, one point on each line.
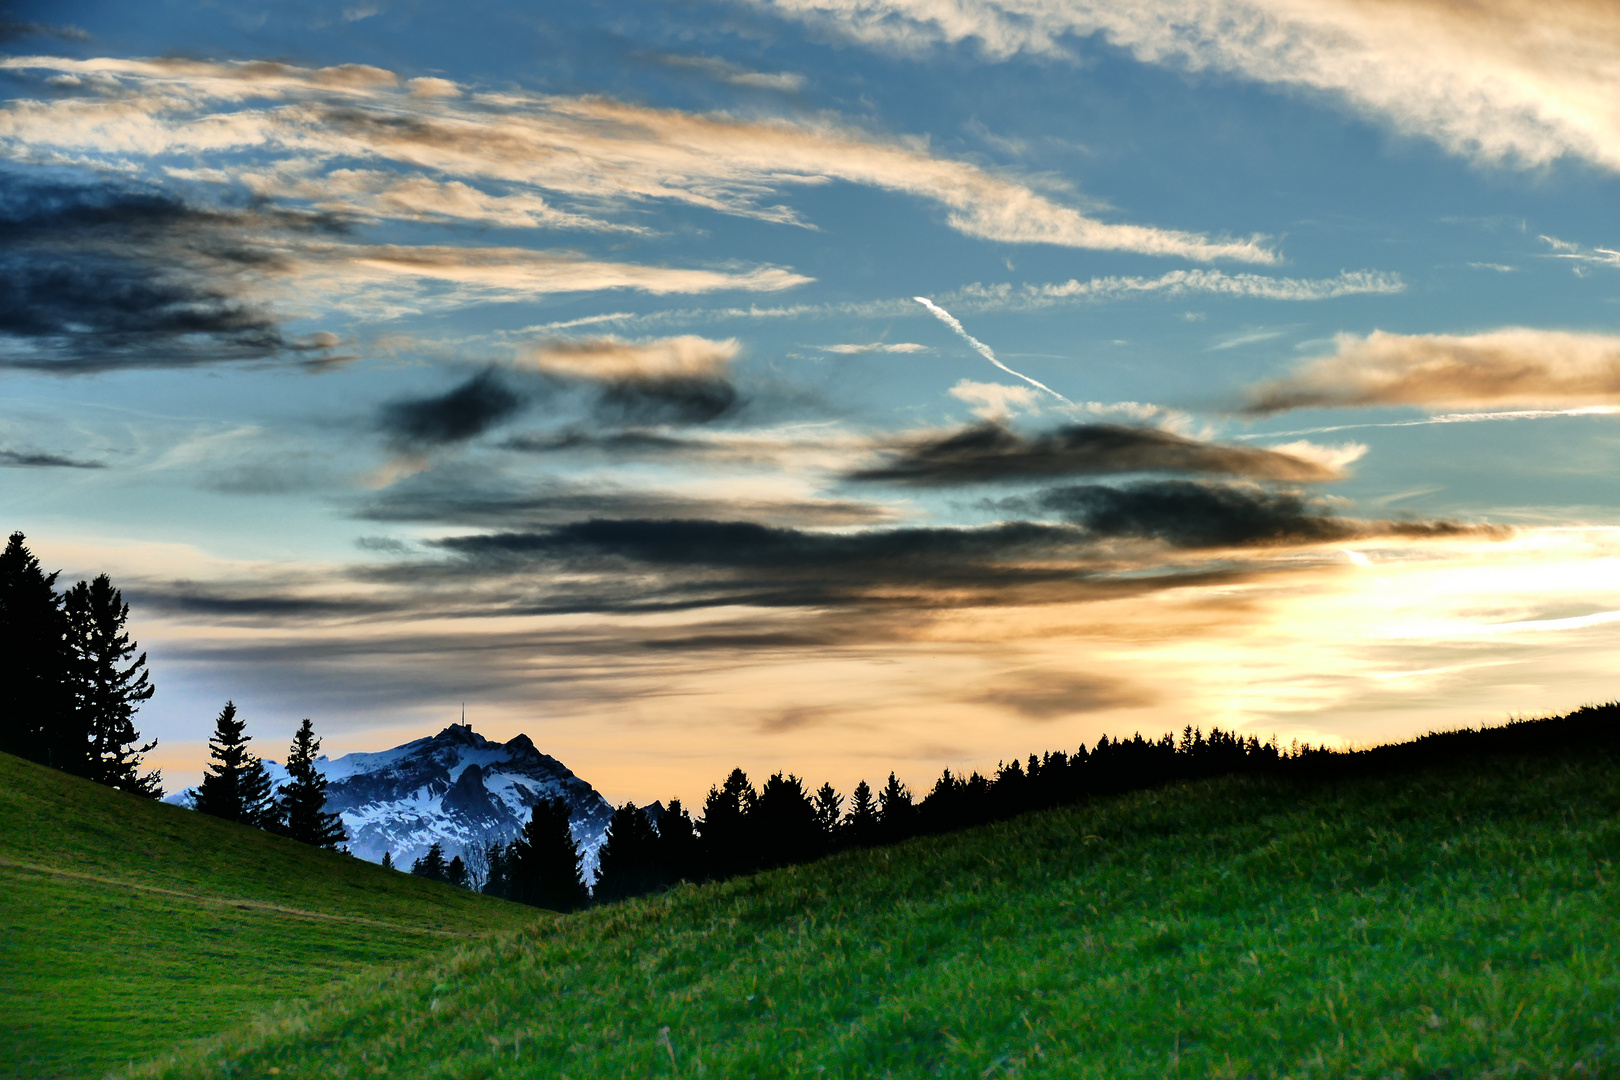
[301, 810]
[544, 868]
[456, 873]
[728, 838]
[828, 803]
[37, 717]
[432, 865]
[109, 686]
[785, 822]
[628, 861]
[861, 823]
[896, 815]
[388, 860]
[678, 853]
[236, 787]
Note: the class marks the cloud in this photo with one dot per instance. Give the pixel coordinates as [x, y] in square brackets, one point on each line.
[23, 459]
[592, 151]
[95, 279]
[991, 453]
[1050, 695]
[1579, 254]
[684, 379]
[457, 415]
[17, 29]
[995, 402]
[876, 346]
[1029, 297]
[1508, 367]
[787, 82]
[1194, 514]
[1497, 80]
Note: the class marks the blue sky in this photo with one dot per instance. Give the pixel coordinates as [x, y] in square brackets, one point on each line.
[567, 360]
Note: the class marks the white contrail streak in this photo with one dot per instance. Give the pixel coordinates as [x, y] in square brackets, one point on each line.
[1450, 418]
[981, 348]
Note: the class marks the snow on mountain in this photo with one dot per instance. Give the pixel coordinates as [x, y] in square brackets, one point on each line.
[457, 788]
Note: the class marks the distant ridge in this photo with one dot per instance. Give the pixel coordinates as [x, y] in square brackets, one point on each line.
[456, 788]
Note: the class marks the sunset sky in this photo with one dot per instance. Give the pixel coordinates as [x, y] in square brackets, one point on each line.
[834, 386]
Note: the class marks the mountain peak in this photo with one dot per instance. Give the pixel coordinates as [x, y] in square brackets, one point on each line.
[460, 733]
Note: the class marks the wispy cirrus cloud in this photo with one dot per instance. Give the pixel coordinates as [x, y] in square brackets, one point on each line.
[1497, 80]
[600, 153]
[1549, 369]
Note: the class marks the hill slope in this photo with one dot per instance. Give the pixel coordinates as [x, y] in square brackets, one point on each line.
[127, 926]
[1452, 923]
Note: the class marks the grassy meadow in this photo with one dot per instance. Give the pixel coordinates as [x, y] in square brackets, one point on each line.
[1453, 923]
[128, 926]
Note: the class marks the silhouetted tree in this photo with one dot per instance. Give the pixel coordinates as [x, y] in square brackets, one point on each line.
[235, 787]
[628, 861]
[728, 839]
[37, 716]
[827, 805]
[861, 822]
[456, 873]
[301, 810]
[388, 860]
[785, 821]
[679, 856]
[109, 684]
[896, 815]
[545, 861]
[432, 865]
[498, 881]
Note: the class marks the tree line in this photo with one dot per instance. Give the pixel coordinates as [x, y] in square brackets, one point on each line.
[742, 830]
[76, 682]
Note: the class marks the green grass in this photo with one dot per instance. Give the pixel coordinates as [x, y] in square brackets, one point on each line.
[1452, 924]
[127, 926]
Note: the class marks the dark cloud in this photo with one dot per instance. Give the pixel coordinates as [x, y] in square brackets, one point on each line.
[461, 497]
[667, 401]
[988, 453]
[25, 460]
[457, 415]
[93, 279]
[1191, 514]
[610, 442]
[1051, 695]
[13, 29]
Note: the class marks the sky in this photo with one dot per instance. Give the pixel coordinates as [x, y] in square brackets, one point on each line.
[831, 386]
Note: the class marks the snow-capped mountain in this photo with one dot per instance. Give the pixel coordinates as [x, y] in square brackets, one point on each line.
[457, 788]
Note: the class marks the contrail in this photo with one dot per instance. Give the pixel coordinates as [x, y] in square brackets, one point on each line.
[981, 348]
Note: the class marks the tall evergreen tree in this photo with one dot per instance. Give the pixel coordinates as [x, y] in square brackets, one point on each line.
[861, 822]
[896, 815]
[301, 810]
[37, 717]
[728, 836]
[628, 860]
[786, 823]
[679, 855]
[828, 803]
[110, 683]
[432, 865]
[545, 861]
[236, 787]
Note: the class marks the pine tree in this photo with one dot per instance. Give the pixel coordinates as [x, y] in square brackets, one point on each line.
[432, 865]
[301, 810]
[37, 718]
[236, 787]
[896, 815]
[456, 873]
[109, 686]
[628, 861]
[861, 823]
[544, 868]
[828, 803]
[728, 837]
[679, 856]
[388, 860]
[785, 822]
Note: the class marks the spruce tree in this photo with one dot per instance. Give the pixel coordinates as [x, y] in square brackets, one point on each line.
[896, 815]
[110, 683]
[785, 823]
[236, 787]
[728, 836]
[544, 868]
[301, 810]
[37, 717]
[456, 873]
[432, 865]
[679, 857]
[828, 803]
[388, 860]
[861, 823]
[629, 863]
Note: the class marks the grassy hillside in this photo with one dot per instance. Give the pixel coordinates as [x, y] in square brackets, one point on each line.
[127, 926]
[1457, 923]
